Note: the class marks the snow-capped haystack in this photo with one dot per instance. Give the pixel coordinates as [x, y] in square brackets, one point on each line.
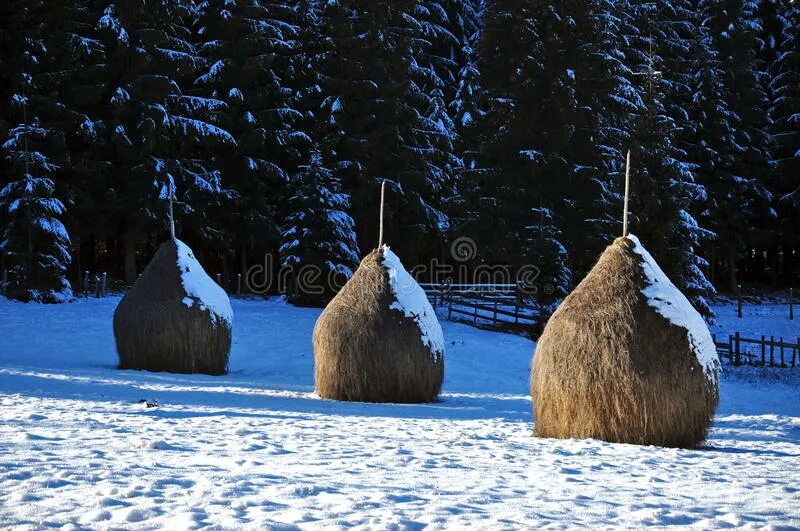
[625, 358]
[379, 339]
[175, 318]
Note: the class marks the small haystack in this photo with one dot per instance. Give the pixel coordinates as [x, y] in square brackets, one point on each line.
[175, 318]
[379, 340]
[625, 358]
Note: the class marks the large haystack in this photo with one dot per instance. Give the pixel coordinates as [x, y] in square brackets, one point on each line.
[625, 358]
[174, 318]
[379, 340]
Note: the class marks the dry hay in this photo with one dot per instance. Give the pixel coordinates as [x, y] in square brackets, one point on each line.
[364, 351]
[609, 366]
[155, 330]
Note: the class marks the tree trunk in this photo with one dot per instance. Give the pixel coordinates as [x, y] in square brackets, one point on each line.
[712, 266]
[131, 244]
[788, 263]
[732, 269]
[773, 265]
[77, 260]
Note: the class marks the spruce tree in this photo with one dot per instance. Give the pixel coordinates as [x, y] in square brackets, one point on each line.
[250, 50]
[382, 98]
[158, 133]
[728, 142]
[664, 191]
[34, 238]
[552, 137]
[785, 114]
[319, 241]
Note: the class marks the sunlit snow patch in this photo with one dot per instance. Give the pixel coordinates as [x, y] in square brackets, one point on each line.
[412, 301]
[669, 302]
[200, 288]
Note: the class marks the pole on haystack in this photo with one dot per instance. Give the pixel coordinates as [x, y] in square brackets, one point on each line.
[171, 216]
[380, 226]
[627, 194]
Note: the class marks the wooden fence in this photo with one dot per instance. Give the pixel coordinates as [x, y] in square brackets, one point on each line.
[492, 306]
[764, 352]
[503, 307]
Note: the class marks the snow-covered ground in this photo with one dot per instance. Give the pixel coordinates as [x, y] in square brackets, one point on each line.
[768, 319]
[257, 449]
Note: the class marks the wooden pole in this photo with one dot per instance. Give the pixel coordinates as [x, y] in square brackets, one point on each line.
[380, 226]
[771, 351]
[730, 349]
[798, 352]
[627, 194]
[171, 216]
[791, 304]
[739, 300]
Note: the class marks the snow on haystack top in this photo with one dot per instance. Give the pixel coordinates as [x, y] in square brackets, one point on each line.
[412, 301]
[669, 302]
[201, 289]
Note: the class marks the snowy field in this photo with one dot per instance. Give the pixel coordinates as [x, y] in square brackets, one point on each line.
[257, 449]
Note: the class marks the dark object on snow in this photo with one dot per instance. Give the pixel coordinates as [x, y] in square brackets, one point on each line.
[368, 351]
[609, 366]
[149, 403]
[158, 326]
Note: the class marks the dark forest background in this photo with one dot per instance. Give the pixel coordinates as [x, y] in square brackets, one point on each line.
[504, 121]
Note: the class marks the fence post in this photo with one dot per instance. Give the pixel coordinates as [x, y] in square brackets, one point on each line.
[794, 351]
[239, 284]
[738, 351]
[86, 283]
[783, 362]
[791, 304]
[739, 300]
[219, 279]
[105, 278]
[730, 349]
[764, 352]
[97, 286]
[772, 351]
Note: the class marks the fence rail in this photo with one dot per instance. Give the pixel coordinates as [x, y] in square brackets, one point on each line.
[764, 352]
[501, 307]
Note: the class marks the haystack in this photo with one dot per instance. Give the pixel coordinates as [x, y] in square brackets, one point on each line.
[175, 318]
[379, 340]
[625, 358]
